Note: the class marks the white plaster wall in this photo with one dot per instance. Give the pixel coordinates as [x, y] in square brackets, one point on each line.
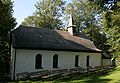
[94, 59]
[25, 59]
[106, 62]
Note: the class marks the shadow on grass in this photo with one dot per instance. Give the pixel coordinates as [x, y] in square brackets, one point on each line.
[96, 79]
[91, 78]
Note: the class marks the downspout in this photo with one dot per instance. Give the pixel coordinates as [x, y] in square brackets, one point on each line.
[14, 65]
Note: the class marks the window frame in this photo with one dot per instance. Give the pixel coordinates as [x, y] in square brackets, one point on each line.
[55, 61]
[77, 61]
[38, 61]
[88, 60]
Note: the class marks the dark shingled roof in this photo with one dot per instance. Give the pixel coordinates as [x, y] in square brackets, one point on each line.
[25, 37]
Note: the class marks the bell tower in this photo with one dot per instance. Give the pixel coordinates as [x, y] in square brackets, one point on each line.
[71, 27]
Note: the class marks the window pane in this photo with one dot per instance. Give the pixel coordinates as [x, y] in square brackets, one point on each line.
[87, 61]
[38, 64]
[55, 61]
[76, 60]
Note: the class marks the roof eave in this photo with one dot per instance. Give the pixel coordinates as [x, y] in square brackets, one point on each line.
[52, 49]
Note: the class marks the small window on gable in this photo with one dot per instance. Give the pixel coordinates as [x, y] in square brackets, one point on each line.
[55, 61]
[38, 61]
[76, 60]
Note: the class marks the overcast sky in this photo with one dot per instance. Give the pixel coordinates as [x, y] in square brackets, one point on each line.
[24, 8]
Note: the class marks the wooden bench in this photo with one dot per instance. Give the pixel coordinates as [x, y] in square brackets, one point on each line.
[49, 76]
[55, 73]
[106, 68]
[72, 71]
[60, 71]
[38, 74]
[76, 70]
[82, 70]
[90, 69]
[103, 69]
[22, 75]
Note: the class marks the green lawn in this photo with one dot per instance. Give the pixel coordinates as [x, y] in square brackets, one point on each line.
[111, 77]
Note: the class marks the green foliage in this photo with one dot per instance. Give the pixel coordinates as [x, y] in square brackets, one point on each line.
[83, 12]
[47, 15]
[111, 25]
[29, 21]
[105, 4]
[99, 38]
[7, 22]
[87, 17]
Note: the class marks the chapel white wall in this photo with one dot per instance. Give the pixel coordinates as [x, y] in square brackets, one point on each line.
[106, 61]
[25, 59]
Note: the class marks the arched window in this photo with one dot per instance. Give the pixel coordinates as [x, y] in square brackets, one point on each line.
[87, 61]
[55, 61]
[38, 61]
[76, 60]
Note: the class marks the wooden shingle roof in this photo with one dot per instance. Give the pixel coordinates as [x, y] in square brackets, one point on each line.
[25, 37]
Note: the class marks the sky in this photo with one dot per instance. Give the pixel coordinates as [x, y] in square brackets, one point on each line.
[24, 8]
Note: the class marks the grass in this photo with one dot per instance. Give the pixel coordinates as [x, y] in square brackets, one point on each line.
[111, 77]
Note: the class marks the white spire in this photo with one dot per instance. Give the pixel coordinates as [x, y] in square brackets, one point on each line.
[70, 21]
[71, 27]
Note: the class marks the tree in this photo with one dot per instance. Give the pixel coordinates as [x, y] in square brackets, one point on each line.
[82, 13]
[99, 38]
[87, 18]
[29, 21]
[111, 25]
[7, 22]
[88, 13]
[47, 15]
